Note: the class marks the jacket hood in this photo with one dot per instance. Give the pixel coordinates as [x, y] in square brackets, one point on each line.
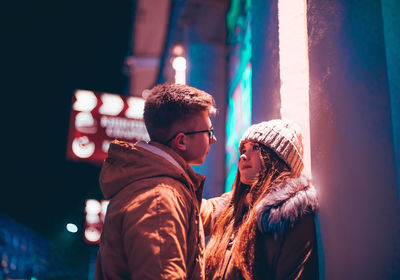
[288, 202]
[127, 163]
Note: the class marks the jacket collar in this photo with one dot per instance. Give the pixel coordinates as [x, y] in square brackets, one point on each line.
[284, 206]
[172, 156]
[194, 179]
[127, 163]
[159, 151]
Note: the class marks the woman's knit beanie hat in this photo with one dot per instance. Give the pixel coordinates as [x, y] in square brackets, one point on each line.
[284, 137]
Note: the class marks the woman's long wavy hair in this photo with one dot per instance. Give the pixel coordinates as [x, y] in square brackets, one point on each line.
[238, 219]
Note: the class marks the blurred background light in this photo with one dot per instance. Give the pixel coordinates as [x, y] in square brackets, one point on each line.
[179, 65]
[92, 206]
[92, 218]
[83, 147]
[136, 108]
[112, 104]
[178, 50]
[104, 205]
[86, 100]
[72, 227]
[92, 234]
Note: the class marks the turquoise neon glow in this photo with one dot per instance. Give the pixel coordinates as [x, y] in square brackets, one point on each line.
[238, 116]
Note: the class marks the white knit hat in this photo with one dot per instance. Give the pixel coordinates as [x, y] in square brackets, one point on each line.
[284, 137]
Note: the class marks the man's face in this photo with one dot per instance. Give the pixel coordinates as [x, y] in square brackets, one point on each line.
[198, 144]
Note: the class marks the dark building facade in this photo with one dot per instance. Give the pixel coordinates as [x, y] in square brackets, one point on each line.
[24, 254]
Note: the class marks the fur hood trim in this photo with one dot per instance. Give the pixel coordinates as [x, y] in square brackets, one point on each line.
[288, 202]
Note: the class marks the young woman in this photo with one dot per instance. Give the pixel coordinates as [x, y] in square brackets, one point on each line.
[266, 229]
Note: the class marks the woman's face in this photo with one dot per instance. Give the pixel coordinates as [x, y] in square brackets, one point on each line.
[250, 164]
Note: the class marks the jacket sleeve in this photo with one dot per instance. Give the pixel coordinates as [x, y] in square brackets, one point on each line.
[155, 229]
[210, 208]
[297, 257]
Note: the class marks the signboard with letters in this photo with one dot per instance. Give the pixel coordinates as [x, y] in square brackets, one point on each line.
[98, 118]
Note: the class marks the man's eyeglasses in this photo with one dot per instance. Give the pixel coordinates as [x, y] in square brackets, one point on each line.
[210, 134]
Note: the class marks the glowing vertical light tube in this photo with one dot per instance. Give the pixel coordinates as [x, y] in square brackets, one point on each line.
[179, 65]
[293, 60]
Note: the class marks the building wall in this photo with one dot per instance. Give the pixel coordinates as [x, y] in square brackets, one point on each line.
[391, 29]
[354, 104]
[352, 148]
[265, 61]
[23, 253]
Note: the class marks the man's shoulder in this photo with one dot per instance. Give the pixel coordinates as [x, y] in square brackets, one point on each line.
[159, 197]
[160, 187]
[167, 188]
[163, 181]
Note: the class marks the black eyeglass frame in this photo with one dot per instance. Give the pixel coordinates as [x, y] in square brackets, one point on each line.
[210, 134]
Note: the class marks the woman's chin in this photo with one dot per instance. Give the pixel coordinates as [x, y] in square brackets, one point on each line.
[247, 181]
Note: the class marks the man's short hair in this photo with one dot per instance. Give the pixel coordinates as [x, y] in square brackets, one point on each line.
[168, 104]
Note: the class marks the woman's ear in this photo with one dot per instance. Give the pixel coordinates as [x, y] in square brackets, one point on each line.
[180, 142]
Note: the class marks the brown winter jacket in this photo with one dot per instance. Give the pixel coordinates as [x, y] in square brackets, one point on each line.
[153, 228]
[286, 246]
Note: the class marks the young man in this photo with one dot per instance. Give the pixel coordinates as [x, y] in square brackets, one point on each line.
[153, 228]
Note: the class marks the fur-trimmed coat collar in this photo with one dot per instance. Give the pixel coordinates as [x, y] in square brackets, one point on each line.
[288, 202]
[281, 209]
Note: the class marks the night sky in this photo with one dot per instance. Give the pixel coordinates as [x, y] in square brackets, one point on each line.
[49, 49]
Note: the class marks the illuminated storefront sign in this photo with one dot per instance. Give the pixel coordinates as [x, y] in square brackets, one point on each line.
[99, 118]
